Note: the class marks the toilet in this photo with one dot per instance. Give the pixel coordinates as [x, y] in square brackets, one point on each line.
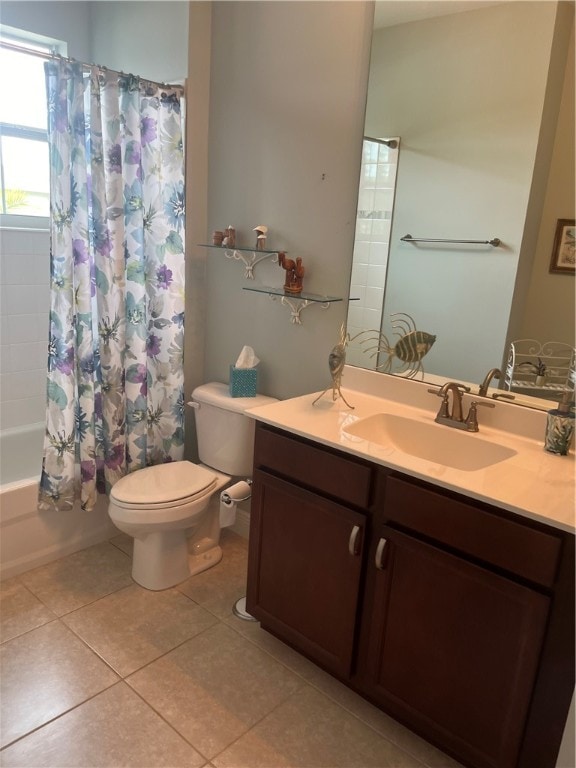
[172, 510]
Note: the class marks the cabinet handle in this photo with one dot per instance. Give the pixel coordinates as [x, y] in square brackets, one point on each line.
[379, 559]
[352, 541]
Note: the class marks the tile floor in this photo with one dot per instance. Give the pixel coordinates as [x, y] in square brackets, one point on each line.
[97, 671]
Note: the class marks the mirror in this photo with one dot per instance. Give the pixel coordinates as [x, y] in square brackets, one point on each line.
[480, 96]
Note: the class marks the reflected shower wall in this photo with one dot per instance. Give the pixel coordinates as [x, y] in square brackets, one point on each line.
[371, 242]
[24, 308]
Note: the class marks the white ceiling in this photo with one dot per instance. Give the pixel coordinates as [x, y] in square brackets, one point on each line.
[391, 12]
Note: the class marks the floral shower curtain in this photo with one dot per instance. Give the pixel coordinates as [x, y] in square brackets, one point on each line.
[115, 399]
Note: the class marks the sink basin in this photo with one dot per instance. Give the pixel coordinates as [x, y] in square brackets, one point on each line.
[442, 445]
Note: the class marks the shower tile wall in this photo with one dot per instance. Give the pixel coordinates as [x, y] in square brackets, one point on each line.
[371, 243]
[24, 308]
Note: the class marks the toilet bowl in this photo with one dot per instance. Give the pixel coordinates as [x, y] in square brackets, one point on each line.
[165, 508]
[172, 510]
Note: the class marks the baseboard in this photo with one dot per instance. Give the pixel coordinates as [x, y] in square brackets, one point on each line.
[55, 551]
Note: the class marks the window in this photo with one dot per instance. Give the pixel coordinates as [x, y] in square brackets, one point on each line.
[24, 166]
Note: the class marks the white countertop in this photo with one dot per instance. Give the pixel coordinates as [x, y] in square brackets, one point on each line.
[532, 483]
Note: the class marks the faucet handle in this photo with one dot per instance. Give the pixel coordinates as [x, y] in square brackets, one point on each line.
[503, 396]
[472, 418]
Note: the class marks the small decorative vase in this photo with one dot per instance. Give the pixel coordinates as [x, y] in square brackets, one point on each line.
[540, 381]
[559, 432]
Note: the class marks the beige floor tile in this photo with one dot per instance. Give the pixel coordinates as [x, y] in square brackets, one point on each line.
[20, 610]
[283, 653]
[214, 688]
[116, 728]
[44, 673]
[311, 731]
[389, 728]
[218, 588]
[80, 578]
[134, 626]
[124, 542]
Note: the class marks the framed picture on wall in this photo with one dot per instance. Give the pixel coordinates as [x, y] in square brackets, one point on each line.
[564, 251]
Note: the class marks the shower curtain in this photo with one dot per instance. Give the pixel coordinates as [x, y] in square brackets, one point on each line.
[115, 400]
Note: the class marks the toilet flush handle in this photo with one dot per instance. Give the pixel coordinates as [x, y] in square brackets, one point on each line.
[194, 404]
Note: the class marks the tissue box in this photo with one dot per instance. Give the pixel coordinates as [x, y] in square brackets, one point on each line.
[243, 382]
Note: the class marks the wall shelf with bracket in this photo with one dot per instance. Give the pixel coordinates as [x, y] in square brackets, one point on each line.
[297, 302]
[250, 257]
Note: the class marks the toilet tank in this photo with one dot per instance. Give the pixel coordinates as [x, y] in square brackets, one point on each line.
[225, 434]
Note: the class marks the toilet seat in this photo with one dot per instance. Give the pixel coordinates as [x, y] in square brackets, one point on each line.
[163, 486]
[164, 504]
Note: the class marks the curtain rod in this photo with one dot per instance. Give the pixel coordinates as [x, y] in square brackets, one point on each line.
[52, 55]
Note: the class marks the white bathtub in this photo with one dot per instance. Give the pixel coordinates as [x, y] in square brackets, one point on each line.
[29, 538]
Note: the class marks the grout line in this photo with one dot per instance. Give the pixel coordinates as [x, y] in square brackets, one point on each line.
[93, 650]
[261, 719]
[26, 631]
[57, 717]
[91, 602]
[347, 709]
[152, 661]
[168, 723]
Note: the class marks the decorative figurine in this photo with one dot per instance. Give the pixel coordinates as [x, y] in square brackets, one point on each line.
[261, 232]
[336, 363]
[229, 237]
[411, 347]
[294, 273]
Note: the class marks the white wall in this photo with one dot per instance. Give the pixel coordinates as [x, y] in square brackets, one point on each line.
[465, 93]
[24, 307]
[287, 95]
[147, 38]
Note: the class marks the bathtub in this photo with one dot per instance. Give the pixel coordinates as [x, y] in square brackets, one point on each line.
[29, 538]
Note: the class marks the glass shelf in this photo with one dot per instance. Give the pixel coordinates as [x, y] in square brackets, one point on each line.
[304, 296]
[265, 251]
[297, 301]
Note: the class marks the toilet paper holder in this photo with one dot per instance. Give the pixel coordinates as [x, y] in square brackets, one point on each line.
[225, 497]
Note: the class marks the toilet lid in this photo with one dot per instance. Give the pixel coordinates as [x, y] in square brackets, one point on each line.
[163, 483]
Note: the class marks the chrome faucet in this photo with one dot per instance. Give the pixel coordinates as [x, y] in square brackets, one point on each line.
[493, 373]
[455, 417]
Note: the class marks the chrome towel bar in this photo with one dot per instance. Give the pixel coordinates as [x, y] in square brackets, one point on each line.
[409, 239]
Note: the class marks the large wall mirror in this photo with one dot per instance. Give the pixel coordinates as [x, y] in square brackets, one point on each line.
[480, 96]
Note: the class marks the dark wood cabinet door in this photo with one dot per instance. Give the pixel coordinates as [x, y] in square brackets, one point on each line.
[304, 570]
[453, 648]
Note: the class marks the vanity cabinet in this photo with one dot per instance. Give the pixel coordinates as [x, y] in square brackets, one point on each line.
[454, 617]
[306, 548]
[454, 630]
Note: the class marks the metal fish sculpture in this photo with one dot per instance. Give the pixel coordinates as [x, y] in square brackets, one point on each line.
[336, 362]
[411, 347]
